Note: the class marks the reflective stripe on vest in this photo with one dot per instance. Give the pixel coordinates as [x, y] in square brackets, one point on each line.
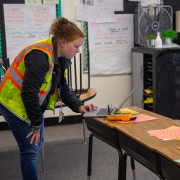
[10, 89]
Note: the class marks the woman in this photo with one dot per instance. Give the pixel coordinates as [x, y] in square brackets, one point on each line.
[33, 83]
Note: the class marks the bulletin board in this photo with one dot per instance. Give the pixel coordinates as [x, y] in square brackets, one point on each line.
[22, 24]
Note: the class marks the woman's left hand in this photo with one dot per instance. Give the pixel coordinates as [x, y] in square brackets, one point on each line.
[85, 108]
[35, 137]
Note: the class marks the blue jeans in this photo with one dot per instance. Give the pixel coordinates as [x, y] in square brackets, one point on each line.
[28, 152]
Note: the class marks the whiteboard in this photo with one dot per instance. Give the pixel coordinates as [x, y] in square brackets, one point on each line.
[26, 24]
[110, 45]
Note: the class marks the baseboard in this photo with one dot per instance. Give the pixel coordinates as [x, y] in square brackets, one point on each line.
[51, 121]
[66, 120]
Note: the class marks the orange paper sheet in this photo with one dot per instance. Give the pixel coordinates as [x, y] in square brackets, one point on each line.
[166, 133]
[140, 118]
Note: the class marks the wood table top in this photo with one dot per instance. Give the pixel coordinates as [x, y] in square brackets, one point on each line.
[139, 132]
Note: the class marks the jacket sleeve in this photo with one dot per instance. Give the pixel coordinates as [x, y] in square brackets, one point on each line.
[68, 97]
[36, 63]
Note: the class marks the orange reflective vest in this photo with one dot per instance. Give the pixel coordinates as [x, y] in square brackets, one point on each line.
[10, 87]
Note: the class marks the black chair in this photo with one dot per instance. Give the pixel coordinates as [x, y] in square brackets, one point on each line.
[4, 64]
[74, 80]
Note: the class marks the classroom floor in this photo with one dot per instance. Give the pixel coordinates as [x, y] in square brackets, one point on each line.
[66, 157]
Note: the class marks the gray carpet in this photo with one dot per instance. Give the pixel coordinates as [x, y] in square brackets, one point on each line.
[66, 157]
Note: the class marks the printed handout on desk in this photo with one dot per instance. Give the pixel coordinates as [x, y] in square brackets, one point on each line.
[173, 127]
[140, 118]
[166, 134]
[178, 160]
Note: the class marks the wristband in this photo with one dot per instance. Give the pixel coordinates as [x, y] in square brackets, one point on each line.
[35, 128]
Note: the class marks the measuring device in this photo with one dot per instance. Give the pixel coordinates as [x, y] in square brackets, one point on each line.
[119, 117]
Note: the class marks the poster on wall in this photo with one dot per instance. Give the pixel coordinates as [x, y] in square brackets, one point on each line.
[32, 2]
[110, 45]
[96, 5]
[26, 24]
[116, 5]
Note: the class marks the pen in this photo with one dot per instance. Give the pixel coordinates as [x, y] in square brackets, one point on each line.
[133, 118]
[108, 110]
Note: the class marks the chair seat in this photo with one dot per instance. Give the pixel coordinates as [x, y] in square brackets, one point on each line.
[85, 96]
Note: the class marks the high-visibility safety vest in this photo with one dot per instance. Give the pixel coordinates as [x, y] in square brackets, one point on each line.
[11, 85]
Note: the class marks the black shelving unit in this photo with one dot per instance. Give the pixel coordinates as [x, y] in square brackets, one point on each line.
[157, 71]
[148, 81]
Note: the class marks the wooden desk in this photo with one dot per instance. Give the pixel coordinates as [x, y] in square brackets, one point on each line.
[105, 133]
[146, 149]
[134, 139]
[170, 170]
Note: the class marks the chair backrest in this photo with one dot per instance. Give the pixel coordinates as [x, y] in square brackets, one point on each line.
[4, 64]
[75, 76]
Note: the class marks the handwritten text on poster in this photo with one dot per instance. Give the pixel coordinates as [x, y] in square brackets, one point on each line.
[26, 24]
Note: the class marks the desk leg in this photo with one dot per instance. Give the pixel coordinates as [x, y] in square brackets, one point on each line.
[90, 155]
[124, 166]
[120, 169]
[133, 168]
[84, 130]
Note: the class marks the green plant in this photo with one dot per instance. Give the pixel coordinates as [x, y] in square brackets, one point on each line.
[150, 37]
[169, 34]
[161, 2]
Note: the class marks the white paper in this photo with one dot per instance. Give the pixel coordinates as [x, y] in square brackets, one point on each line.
[32, 1]
[116, 5]
[26, 24]
[92, 14]
[50, 1]
[110, 46]
[109, 63]
[111, 36]
[149, 2]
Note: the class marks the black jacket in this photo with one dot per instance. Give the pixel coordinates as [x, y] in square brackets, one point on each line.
[37, 64]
